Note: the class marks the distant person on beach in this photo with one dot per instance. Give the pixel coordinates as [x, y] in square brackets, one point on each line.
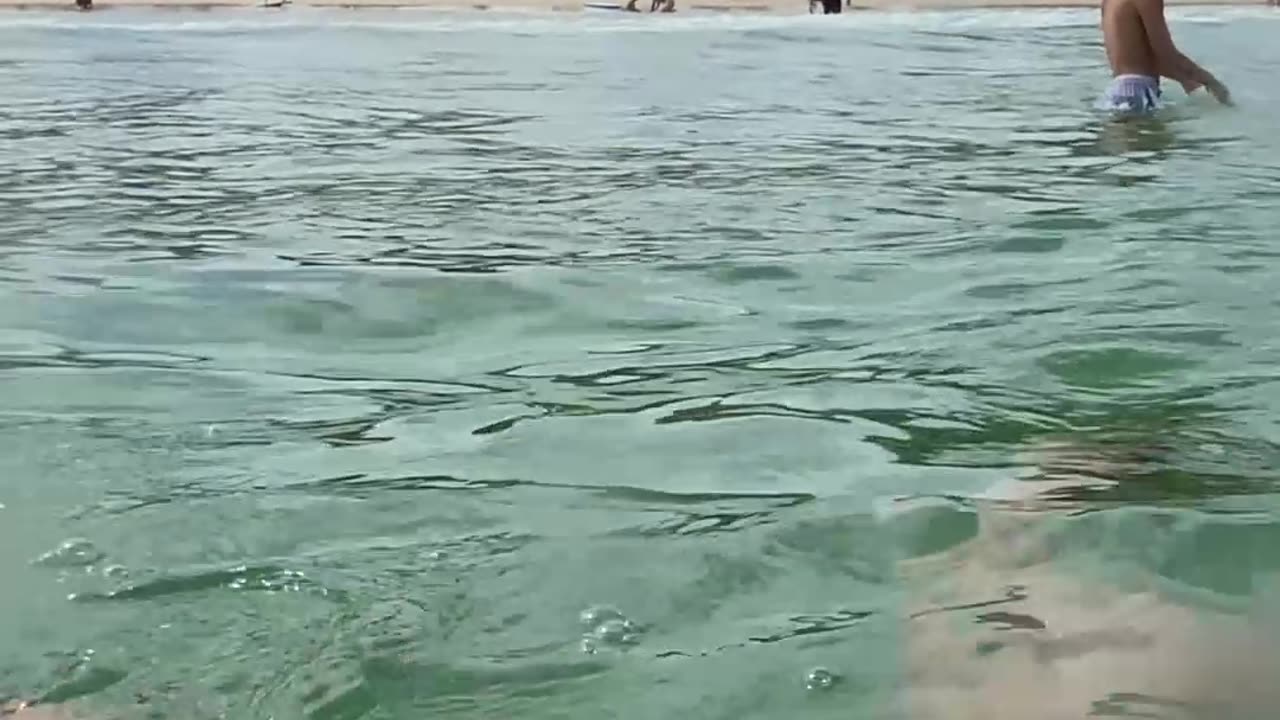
[84, 4]
[1140, 50]
[665, 6]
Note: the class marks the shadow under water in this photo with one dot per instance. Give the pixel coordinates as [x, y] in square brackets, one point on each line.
[1152, 137]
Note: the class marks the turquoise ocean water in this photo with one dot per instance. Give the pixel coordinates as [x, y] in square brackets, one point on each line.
[397, 364]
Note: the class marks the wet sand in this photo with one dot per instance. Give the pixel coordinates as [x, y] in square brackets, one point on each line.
[749, 6]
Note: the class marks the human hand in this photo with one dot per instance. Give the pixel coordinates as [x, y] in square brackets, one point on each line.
[1219, 92]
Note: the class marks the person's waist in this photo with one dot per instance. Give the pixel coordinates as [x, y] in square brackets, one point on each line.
[1136, 78]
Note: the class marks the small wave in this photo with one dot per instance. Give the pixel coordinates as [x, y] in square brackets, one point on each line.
[261, 578]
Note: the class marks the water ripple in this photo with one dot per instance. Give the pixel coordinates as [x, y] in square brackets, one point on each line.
[358, 353]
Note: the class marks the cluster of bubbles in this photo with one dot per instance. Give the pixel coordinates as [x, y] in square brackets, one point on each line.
[284, 581]
[81, 554]
[605, 626]
[76, 552]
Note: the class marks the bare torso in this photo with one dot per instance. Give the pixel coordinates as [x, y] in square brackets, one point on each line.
[1128, 49]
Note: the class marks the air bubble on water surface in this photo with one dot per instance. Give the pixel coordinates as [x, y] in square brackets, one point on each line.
[606, 626]
[616, 632]
[594, 616]
[820, 679]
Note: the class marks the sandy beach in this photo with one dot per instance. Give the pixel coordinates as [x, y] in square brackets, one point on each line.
[752, 6]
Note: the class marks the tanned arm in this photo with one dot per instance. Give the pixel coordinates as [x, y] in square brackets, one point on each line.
[1173, 64]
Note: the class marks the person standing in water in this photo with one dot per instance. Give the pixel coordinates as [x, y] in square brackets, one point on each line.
[1140, 50]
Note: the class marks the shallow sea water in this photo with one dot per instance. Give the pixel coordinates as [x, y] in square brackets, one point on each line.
[400, 364]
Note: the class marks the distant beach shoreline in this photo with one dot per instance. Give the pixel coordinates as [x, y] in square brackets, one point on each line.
[776, 7]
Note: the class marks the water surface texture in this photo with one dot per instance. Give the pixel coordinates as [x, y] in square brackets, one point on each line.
[346, 359]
